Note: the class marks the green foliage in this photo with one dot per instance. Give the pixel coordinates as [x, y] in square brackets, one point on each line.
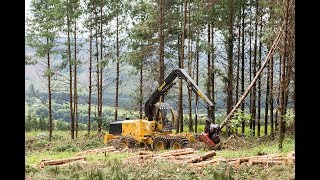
[29, 169]
[43, 122]
[68, 146]
[62, 125]
[289, 117]
[224, 172]
[237, 119]
[40, 144]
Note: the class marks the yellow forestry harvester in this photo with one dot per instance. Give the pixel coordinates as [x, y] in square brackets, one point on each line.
[155, 131]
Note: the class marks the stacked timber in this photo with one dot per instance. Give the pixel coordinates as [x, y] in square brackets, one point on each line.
[178, 156]
[188, 156]
[267, 160]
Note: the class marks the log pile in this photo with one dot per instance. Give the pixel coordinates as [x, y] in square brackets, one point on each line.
[271, 159]
[188, 156]
[44, 163]
[97, 151]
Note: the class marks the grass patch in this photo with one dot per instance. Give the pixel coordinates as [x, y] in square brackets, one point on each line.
[110, 166]
[36, 157]
[261, 147]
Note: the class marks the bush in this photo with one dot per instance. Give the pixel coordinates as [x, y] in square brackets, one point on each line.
[92, 143]
[67, 146]
[30, 169]
[40, 144]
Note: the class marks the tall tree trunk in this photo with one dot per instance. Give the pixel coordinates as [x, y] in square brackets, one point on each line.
[182, 62]
[271, 97]
[242, 67]
[101, 72]
[90, 79]
[271, 92]
[283, 81]
[180, 89]
[161, 48]
[250, 72]
[70, 77]
[254, 90]
[75, 79]
[117, 69]
[259, 81]
[98, 75]
[141, 88]
[238, 64]
[212, 76]
[49, 92]
[267, 103]
[197, 81]
[230, 63]
[209, 71]
[189, 71]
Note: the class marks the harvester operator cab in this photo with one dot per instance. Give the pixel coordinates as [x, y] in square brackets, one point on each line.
[165, 115]
[213, 130]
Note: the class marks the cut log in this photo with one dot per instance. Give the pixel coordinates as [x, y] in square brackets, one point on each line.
[269, 162]
[146, 156]
[235, 163]
[183, 153]
[187, 157]
[144, 152]
[170, 152]
[202, 157]
[60, 161]
[246, 159]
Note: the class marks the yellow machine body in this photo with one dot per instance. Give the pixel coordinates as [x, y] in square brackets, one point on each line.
[143, 131]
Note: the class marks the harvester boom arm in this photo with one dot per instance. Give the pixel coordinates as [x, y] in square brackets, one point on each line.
[166, 86]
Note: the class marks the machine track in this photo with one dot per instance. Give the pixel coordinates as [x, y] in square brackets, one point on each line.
[172, 142]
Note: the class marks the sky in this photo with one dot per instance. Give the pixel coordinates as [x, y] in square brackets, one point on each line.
[27, 7]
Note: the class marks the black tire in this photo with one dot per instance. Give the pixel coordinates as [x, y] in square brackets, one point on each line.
[160, 143]
[127, 141]
[179, 142]
[113, 142]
